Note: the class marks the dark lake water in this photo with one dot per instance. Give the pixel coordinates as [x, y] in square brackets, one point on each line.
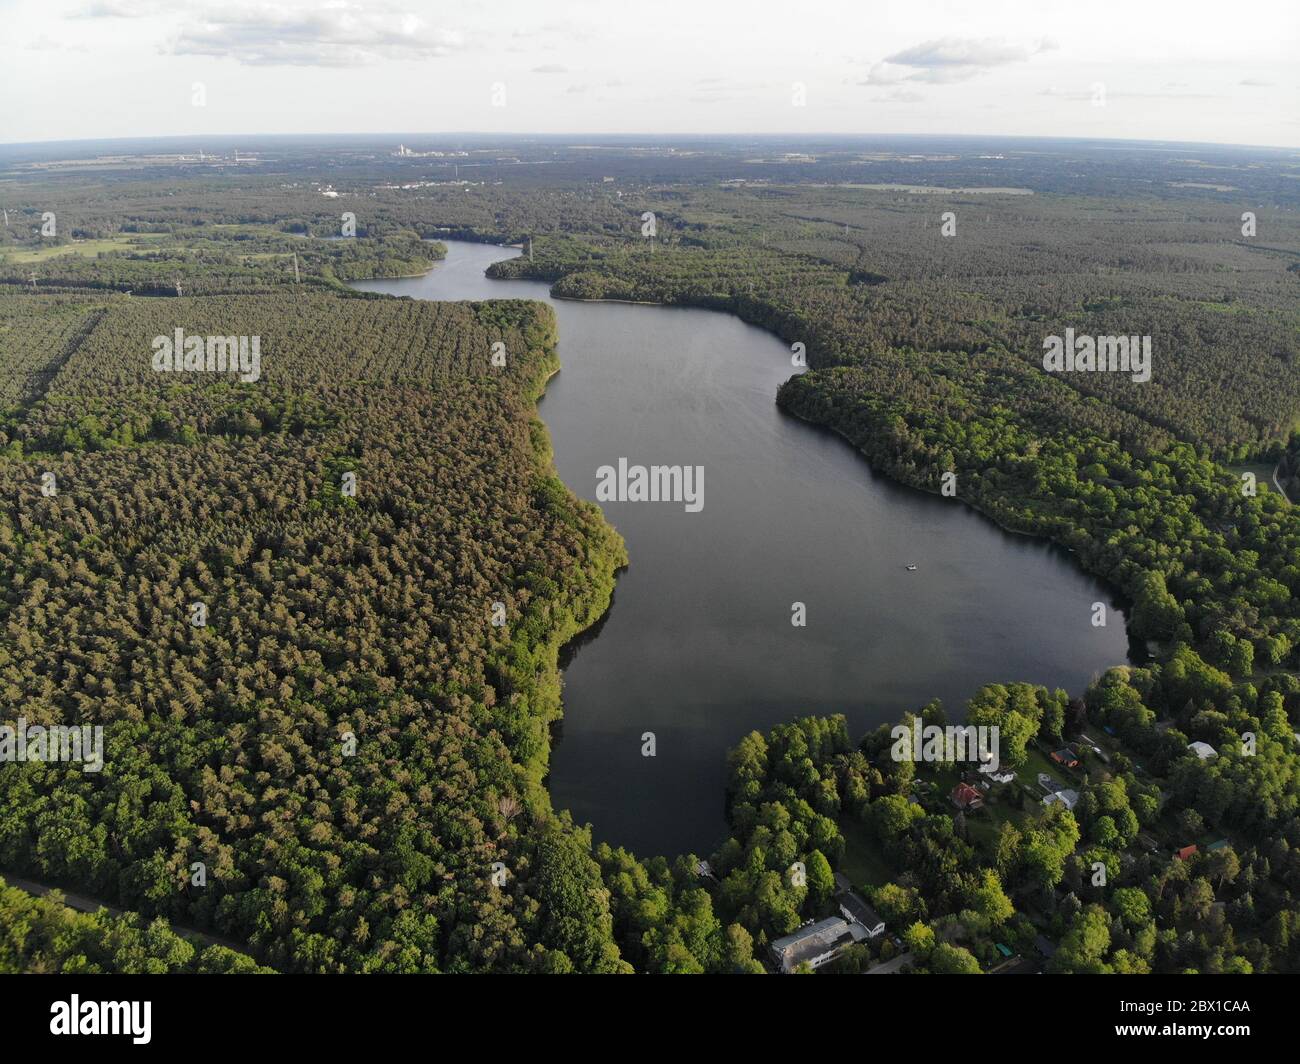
[698, 646]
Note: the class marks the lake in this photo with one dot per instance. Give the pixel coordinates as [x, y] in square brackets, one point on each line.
[698, 647]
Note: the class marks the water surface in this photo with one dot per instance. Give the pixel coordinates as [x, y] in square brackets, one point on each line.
[698, 647]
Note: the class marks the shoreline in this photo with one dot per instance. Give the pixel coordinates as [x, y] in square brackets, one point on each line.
[625, 302]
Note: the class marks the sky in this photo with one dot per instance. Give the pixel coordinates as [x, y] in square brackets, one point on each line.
[1141, 69]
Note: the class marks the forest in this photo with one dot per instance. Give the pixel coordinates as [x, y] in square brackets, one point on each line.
[44, 936]
[347, 740]
[355, 750]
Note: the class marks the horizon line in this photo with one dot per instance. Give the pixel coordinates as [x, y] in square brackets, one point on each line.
[53, 142]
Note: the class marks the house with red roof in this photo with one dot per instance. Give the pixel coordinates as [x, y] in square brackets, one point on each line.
[965, 797]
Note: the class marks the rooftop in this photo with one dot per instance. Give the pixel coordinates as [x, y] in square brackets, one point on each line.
[859, 909]
[811, 941]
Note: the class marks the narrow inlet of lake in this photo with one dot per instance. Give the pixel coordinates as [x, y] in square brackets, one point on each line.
[698, 647]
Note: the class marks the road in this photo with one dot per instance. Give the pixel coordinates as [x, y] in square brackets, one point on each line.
[85, 904]
[1278, 484]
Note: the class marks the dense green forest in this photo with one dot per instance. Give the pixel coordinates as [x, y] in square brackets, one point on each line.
[42, 935]
[355, 751]
[215, 260]
[348, 743]
[954, 886]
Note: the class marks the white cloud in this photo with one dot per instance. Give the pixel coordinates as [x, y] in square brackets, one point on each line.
[118, 9]
[886, 74]
[125, 67]
[950, 59]
[344, 35]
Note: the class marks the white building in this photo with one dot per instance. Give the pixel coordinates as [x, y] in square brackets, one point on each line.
[814, 944]
[856, 910]
[997, 775]
[1067, 798]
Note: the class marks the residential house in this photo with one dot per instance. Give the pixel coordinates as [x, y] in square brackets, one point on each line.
[813, 944]
[1068, 798]
[1203, 750]
[855, 909]
[966, 798]
[997, 775]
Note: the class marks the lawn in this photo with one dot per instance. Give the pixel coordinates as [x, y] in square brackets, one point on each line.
[1263, 474]
[1035, 762]
[862, 862]
[982, 826]
[85, 248]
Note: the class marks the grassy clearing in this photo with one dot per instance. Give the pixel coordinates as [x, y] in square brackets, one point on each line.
[84, 248]
[863, 862]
